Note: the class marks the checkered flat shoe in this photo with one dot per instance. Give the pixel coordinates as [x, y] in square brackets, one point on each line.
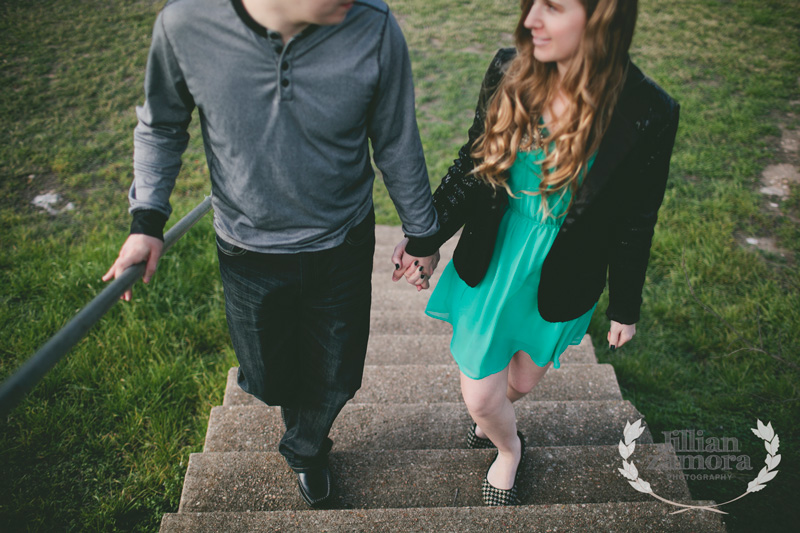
[493, 496]
[474, 442]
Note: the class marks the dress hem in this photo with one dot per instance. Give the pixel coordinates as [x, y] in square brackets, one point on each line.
[556, 361]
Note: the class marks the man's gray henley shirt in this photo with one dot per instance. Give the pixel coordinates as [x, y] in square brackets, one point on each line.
[285, 127]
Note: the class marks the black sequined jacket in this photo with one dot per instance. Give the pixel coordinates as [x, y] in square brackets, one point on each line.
[606, 233]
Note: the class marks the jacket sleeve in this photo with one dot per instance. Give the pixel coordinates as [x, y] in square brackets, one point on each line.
[460, 189]
[160, 137]
[632, 228]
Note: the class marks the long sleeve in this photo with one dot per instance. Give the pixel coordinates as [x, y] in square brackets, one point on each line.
[160, 137]
[460, 190]
[392, 128]
[633, 226]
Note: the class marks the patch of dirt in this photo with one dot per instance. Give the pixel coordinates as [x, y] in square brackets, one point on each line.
[20, 190]
[784, 173]
[474, 49]
[765, 244]
[790, 140]
[52, 202]
[778, 181]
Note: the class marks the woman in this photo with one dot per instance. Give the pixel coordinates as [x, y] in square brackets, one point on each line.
[560, 182]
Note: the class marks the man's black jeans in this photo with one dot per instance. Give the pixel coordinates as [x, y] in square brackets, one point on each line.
[299, 325]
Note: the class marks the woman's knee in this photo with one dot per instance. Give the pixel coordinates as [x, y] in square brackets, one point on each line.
[520, 386]
[482, 399]
[524, 374]
[481, 405]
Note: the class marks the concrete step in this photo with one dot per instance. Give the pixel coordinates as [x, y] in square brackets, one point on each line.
[389, 236]
[383, 288]
[395, 384]
[382, 258]
[649, 516]
[247, 482]
[383, 267]
[435, 349]
[402, 300]
[404, 321]
[403, 313]
[424, 426]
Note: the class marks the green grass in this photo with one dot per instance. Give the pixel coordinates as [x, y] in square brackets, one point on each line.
[102, 443]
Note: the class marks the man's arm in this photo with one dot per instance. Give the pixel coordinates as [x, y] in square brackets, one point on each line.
[160, 139]
[397, 149]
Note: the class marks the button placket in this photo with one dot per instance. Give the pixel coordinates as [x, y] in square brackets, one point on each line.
[285, 69]
[283, 72]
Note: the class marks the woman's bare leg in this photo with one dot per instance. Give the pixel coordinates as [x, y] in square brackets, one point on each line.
[523, 376]
[490, 408]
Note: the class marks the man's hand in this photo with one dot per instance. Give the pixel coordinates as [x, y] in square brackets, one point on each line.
[619, 334]
[137, 249]
[417, 270]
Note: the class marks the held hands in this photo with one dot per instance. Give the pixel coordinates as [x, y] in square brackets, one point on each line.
[417, 270]
[619, 334]
[137, 249]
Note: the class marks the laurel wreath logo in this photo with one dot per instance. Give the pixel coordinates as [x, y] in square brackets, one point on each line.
[628, 444]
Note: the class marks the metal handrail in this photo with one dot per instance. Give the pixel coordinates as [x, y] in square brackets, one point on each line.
[34, 369]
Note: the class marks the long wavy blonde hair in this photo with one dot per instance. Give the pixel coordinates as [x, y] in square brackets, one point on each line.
[591, 84]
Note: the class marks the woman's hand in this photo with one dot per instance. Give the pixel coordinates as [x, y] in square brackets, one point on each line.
[417, 270]
[619, 334]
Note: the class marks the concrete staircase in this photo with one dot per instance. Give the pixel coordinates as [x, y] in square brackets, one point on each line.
[400, 460]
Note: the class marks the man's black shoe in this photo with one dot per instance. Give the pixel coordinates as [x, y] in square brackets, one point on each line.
[315, 486]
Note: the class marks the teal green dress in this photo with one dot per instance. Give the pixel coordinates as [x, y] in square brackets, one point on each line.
[499, 316]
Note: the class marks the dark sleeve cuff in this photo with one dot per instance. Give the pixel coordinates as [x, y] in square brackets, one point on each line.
[630, 317]
[149, 222]
[423, 246]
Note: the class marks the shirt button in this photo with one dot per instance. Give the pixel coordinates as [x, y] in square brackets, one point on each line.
[285, 65]
[285, 82]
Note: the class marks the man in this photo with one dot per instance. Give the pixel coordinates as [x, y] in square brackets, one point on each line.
[289, 93]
